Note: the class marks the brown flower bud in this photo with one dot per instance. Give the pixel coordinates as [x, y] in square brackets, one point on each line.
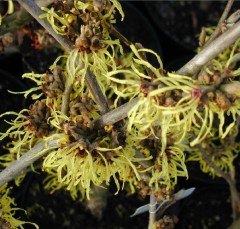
[204, 77]
[95, 42]
[82, 42]
[232, 88]
[222, 101]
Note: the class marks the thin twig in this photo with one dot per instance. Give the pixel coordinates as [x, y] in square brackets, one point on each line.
[14, 170]
[152, 211]
[217, 31]
[144, 57]
[66, 96]
[118, 35]
[96, 92]
[229, 179]
[211, 51]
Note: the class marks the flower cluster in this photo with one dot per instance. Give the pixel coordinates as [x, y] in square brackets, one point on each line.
[222, 153]
[173, 112]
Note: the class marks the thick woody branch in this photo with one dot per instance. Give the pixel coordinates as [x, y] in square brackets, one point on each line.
[15, 169]
[211, 51]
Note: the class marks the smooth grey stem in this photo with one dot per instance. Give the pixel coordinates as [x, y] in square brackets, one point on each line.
[35, 11]
[217, 31]
[96, 92]
[14, 170]
[115, 115]
[152, 211]
[211, 51]
[235, 200]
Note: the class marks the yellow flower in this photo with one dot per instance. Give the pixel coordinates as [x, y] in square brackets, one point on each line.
[80, 164]
[168, 164]
[29, 126]
[59, 23]
[222, 153]
[7, 211]
[18, 131]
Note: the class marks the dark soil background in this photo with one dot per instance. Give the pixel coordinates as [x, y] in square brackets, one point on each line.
[169, 28]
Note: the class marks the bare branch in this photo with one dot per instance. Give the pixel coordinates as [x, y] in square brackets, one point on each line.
[152, 211]
[14, 170]
[211, 51]
[117, 34]
[217, 31]
[66, 97]
[229, 179]
[96, 92]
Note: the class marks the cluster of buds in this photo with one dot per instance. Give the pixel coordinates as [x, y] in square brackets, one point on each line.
[53, 83]
[209, 79]
[170, 98]
[224, 92]
[64, 5]
[80, 123]
[146, 87]
[91, 32]
[80, 110]
[38, 117]
[91, 35]
[223, 101]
